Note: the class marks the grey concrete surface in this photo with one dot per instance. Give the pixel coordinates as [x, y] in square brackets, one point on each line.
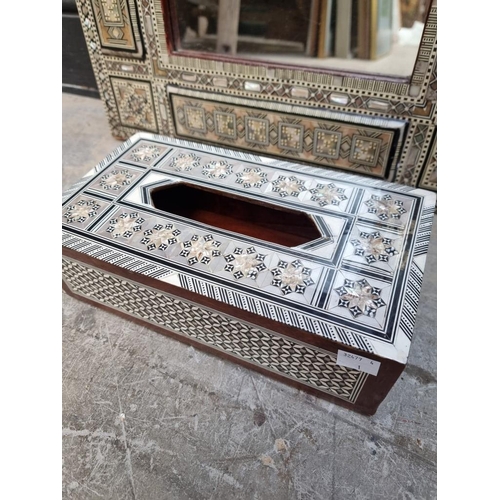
[147, 417]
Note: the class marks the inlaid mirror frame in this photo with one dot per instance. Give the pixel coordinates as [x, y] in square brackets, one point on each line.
[137, 70]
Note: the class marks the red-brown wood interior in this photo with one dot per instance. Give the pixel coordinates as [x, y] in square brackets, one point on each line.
[233, 213]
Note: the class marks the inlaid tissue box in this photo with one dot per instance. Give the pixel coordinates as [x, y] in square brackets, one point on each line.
[306, 274]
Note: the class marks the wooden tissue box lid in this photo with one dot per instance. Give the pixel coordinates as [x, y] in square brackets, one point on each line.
[308, 274]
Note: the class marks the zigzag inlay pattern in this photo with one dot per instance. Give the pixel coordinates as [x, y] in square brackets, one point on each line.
[410, 307]
[424, 232]
[316, 368]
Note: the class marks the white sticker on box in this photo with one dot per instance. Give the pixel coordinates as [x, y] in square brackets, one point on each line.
[360, 363]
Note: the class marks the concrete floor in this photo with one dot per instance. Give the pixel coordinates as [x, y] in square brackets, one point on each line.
[147, 417]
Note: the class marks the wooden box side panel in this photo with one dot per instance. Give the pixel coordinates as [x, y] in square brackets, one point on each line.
[281, 355]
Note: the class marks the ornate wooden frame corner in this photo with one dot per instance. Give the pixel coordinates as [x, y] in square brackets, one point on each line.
[138, 71]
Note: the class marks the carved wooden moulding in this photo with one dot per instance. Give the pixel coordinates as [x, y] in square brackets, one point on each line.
[371, 124]
[309, 275]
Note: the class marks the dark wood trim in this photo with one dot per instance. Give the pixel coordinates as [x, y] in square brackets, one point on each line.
[169, 12]
[374, 390]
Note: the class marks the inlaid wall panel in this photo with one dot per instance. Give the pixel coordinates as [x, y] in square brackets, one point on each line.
[132, 40]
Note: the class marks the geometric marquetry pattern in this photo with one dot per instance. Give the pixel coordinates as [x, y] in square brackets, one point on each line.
[413, 101]
[339, 144]
[237, 267]
[424, 232]
[358, 220]
[429, 175]
[267, 309]
[427, 51]
[292, 359]
[409, 312]
[359, 297]
[421, 135]
[135, 103]
[320, 96]
[113, 256]
[117, 27]
[373, 247]
[81, 211]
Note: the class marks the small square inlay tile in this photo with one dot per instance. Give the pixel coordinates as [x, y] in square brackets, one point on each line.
[145, 153]
[135, 104]
[290, 136]
[326, 143]
[257, 130]
[195, 118]
[114, 180]
[365, 150]
[83, 210]
[362, 147]
[225, 124]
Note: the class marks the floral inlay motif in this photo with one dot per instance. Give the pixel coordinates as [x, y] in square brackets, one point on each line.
[184, 162]
[116, 179]
[245, 263]
[328, 194]
[251, 177]
[125, 225]
[219, 169]
[146, 153]
[384, 207]
[288, 186]
[374, 247]
[360, 298]
[81, 211]
[291, 277]
[160, 237]
[200, 249]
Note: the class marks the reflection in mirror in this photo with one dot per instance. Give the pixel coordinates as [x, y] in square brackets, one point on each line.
[371, 36]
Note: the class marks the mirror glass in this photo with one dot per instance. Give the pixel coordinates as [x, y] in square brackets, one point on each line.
[368, 36]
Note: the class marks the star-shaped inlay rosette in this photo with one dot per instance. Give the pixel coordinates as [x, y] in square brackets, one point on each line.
[245, 263]
[288, 186]
[373, 247]
[145, 153]
[251, 177]
[200, 249]
[160, 237]
[360, 298]
[328, 194]
[116, 179]
[81, 211]
[384, 207]
[219, 169]
[125, 225]
[291, 277]
[185, 162]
